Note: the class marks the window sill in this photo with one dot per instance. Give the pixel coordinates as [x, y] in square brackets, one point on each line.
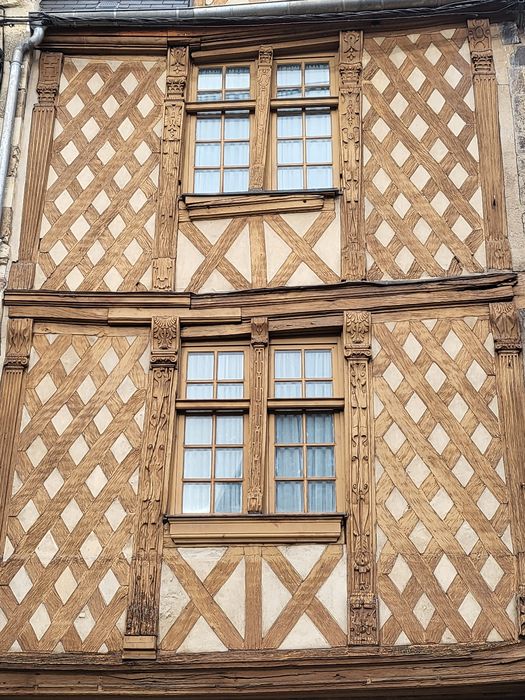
[255, 529]
[211, 206]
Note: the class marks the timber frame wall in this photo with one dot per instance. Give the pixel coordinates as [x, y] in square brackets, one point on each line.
[352, 302]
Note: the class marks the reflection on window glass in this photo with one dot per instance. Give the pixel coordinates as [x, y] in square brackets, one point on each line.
[223, 83]
[307, 79]
[303, 374]
[215, 375]
[304, 438]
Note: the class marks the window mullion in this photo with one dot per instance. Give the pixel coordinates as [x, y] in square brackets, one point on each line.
[257, 457]
[262, 118]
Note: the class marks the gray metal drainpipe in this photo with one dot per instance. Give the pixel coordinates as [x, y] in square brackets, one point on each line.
[10, 106]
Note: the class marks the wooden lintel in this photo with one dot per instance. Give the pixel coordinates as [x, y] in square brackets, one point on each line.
[242, 205]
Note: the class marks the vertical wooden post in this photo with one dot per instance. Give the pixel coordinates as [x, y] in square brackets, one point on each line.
[165, 245]
[350, 99]
[511, 385]
[490, 156]
[41, 137]
[19, 337]
[143, 600]
[258, 421]
[363, 627]
[262, 117]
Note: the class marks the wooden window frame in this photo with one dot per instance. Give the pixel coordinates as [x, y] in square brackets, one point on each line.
[253, 106]
[268, 526]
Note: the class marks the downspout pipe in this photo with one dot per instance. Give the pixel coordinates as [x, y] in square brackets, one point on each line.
[258, 11]
[10, 106]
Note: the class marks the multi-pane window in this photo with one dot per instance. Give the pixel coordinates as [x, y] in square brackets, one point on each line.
[303, 449]
[300, 149]
[304, 133]
[212, 450]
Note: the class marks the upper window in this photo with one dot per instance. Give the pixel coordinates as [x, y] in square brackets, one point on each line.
[300, 110]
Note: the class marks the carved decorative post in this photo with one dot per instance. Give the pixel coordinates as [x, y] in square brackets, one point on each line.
[511, 386]
[262, 117]
[350, 69]
[143, 602]
[258, 422]
[165, 245]
[363, 627]
[19, 337]
[23, 272]
[490, 157]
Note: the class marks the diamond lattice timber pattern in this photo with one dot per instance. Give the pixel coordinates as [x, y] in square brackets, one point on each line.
[64, 580]
[446, 568]
[100, 202]
[423, 202]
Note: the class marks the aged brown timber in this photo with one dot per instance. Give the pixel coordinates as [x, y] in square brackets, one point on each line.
[40, 140]
[258, 399]
[142, 617]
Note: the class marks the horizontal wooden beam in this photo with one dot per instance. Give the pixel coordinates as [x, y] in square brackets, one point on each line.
[450, 672]
[276, 304]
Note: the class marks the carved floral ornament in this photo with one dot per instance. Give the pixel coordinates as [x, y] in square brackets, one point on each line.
[505, 326]
[19, 336]
[164, 340]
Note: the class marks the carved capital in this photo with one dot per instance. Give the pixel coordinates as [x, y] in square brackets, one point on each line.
[177, 73]
[363, 619]
[505, 327]
[265, 56]
[259, 332]
[49, 78]
[164, 341]
[357, 335]
[480, 47]
[351, 47]
[521, 611]
[19, 336]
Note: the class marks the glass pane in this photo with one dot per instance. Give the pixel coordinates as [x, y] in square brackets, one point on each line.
[318, 389]
[288, 428]
[318, 123]
[289, 124]
[288, 461]
[290, 179]
[209, 96]
[208, 154]
[199, 391]
[317, 91]
[237, 126]
[320, 461]
[207, 181]
[197, 430]
[236, 95]
[229, 430]
[236, 153]
[287, 364]
[200, 365]
[209, 79]
[318, 151]
[319, 176]
[289, 496]
[208, 128]
[228, 463]
[289, 92]
[227, 498]
[230, 365]
[319, 428]
[289, 74]
[321, 497]
[196, 498]
[235, 180]
[288, 390]
[316, 74]
[318, 364]
[289, 152]
[238, 78]
[230, 391]
[197, 464]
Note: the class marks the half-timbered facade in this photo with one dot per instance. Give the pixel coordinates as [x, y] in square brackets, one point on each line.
[261, 408]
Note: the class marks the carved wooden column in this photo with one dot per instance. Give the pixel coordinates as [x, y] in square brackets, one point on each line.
[262, 117]
[143, 601]
[511, 387]
[41, 137]
[165, 246]
[363, 627]
[490, 156]
[19, 337]
[258, 421]
[352, 220]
